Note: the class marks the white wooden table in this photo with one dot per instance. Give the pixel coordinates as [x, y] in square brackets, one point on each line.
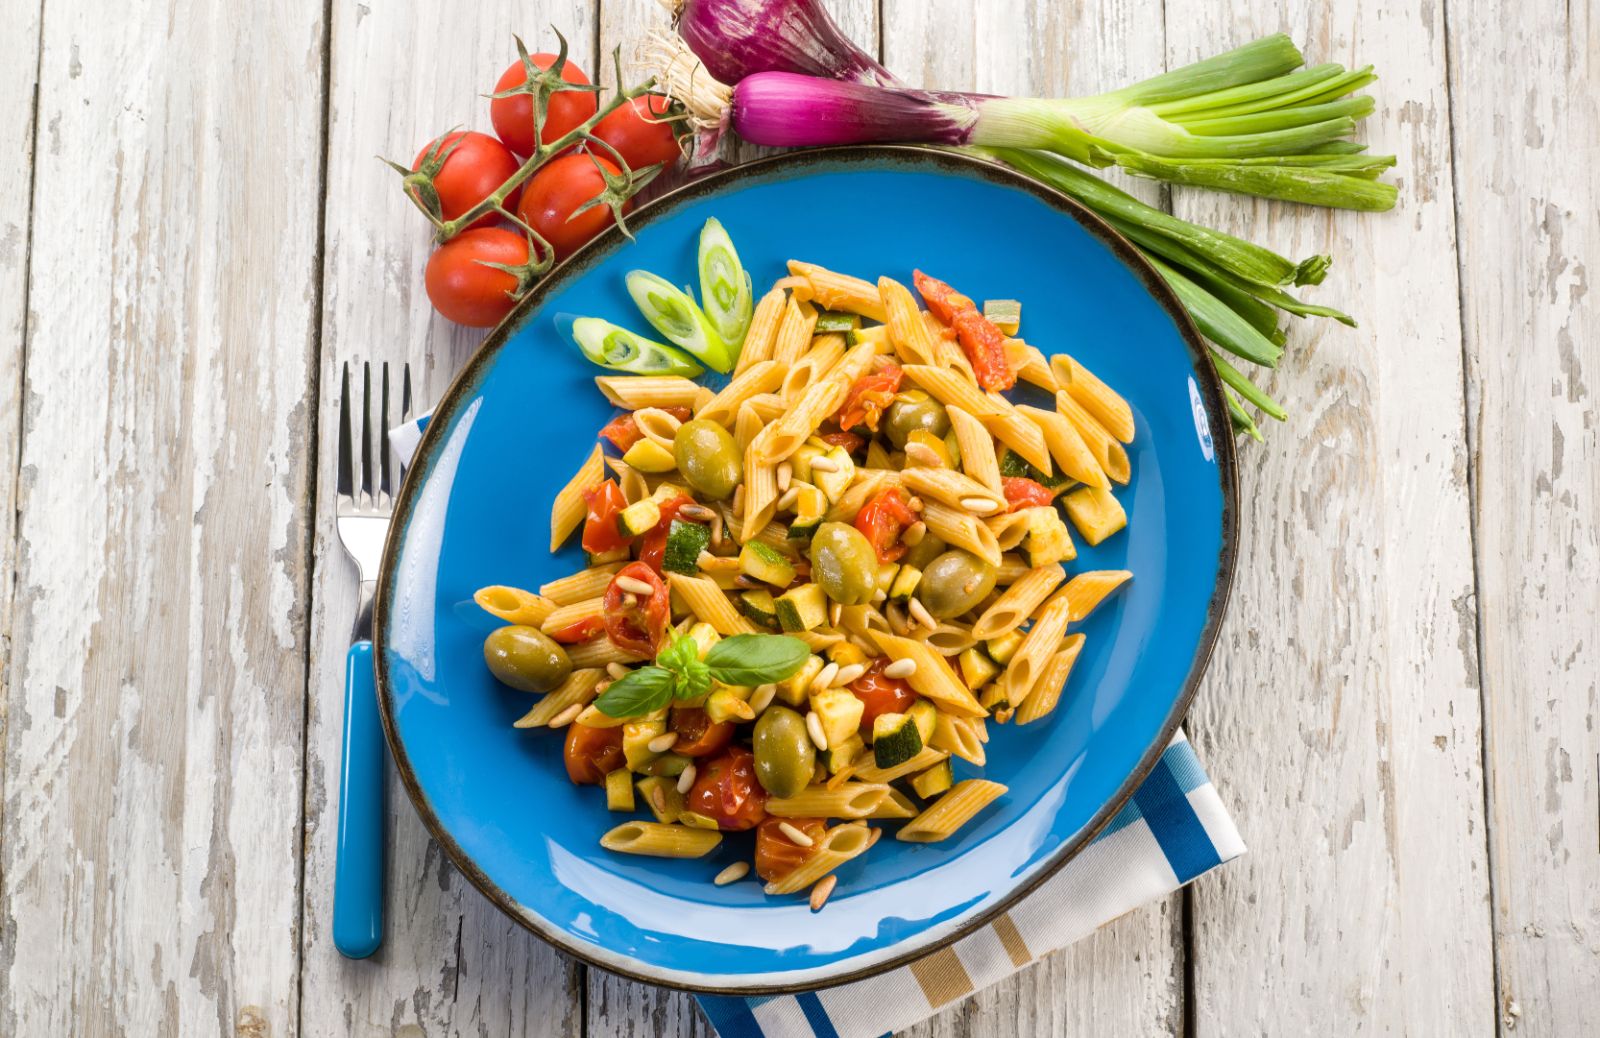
[195, 234]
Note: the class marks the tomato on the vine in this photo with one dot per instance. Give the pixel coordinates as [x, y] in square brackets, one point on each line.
[640, 132]
[560, 188]
[513, 116]
[466, 291]
[476, 164]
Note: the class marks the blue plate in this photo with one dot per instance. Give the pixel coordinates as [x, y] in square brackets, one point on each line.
[522, 416]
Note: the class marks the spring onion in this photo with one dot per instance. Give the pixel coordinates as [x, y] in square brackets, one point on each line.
[673, 312]
[725, 292]
[612, 346]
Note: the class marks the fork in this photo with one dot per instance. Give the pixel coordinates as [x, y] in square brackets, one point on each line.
[363, 512]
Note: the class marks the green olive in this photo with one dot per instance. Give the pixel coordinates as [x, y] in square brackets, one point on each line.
[785, 758]
[924, 551]
[843, 562]
[911, 411]
[953, 583]
[707, 457]
[526, 658]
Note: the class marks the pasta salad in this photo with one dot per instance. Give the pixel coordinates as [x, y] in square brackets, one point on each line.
[811, 591]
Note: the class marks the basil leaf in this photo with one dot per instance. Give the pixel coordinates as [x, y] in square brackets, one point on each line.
[679, 653]
[694, 681]
[639, 692]
[756, 659]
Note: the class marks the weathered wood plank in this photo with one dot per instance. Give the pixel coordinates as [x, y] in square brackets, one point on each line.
[1342, 712]
[1525, 101]
[152, 765]
[451, 962]
[621, 1008]
[1128, 978]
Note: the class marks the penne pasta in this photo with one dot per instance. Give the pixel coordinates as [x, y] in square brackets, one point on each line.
[1009, 529]
[978, 457]
[1085, 591]
[908, 334]
[868, 483]
[577, 690]
[851, 800]
[1035, 369]
[1108, 453]
[962, 736]
[746, 425]
[635, 485]
[763, 330]
[1099, 399]
[1012, 608]
[570, 509]
[761, 377]
[794, 334]
[659, 840]
[514, 605]
[960, 530]
[1021, 435]
[1012, 569]
[597, 652]
[707, 601]
[926, 758]
[760, 488]
[631, 392]
[895, 805]
[1046, 691]
[588, 583]
[951, 811]
[837, 291]
[819, 640]
[947, 639]
[954, 489]
[1067, 446]
[837, 846]
[565, 616]
[952, 389]
[824, 354]
[933, 677]
[1042, 639]
[948, 354]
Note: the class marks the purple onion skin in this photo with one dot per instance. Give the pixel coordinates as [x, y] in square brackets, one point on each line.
[786, 110]
[737, 38]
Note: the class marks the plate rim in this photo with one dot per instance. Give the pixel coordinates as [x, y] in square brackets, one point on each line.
[589, 255]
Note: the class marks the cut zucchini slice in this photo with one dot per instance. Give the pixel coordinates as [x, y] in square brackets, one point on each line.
[839, 711]
[925, 715]
[759, 608]
[895, 739]
[809, 508]
[685, 542]
[934, 781]
[801, 609]
[649, 456]
[833, 483]
[639, 517]
[841, 755]
[977, 669]
[1001, 649]
[761, 561]
[836, 321]
[905, 584]
[1004, 314]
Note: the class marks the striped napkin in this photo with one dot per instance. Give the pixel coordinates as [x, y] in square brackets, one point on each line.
[1174, 830]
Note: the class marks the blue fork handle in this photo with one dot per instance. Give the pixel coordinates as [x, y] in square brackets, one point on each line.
[358, 874]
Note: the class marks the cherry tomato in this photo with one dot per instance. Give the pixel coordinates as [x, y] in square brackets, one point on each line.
[864, 404]
[1023, 492]
[698, 735]
[623, 431]
[640, 133]
[727, 792]
[591, 753]
[513, 116]
[558, 190]
[848, 440]
[880, 695]
[466, 291]
[581, 631]
[636, 627]
[475, 166]
[653, 548]
[600, 533]
[777, 855]
[882, 518]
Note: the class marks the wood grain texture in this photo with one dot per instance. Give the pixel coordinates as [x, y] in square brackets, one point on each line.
[152, 766]
[1126, 979]
[1525, 107]
[1341, 714]
[451, 962]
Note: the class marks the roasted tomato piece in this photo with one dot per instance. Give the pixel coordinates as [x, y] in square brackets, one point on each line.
[636, 621]
[880, 695]
[882, 519]
[727, 792]
[867, 398]
[944, 301]
[581, 631]
[699, 735]
[1023, 492]
[600, 531]
[592, 753]
[777, 855]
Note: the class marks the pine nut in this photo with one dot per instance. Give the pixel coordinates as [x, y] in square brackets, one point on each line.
[785, 473]
[795, 836]
[824, 679]
[738, 500]
[897, 619]
[633, 585]
[732, 874]
[662, 743]
[698, 513]
[686, 780]
[820, 892]
[921, 455]
[914, 533]
[763, 697]
[566, 716]
[835, 611]
[823, 465]
[658, 800]
[628, 600]
[879, 596]
[915, 504]
[920, 614]
[979, 505]
[901, 669]
[850, 673]
[616, 670]
[716, 529]
[788, 498]
[814, 729]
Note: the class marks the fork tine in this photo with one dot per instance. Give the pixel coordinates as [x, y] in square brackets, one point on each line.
[346, 477]
[366, 432]
[405, 392]
[385, 480]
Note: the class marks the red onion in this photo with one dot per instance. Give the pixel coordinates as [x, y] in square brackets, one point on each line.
[735, 37]
[786, 109]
